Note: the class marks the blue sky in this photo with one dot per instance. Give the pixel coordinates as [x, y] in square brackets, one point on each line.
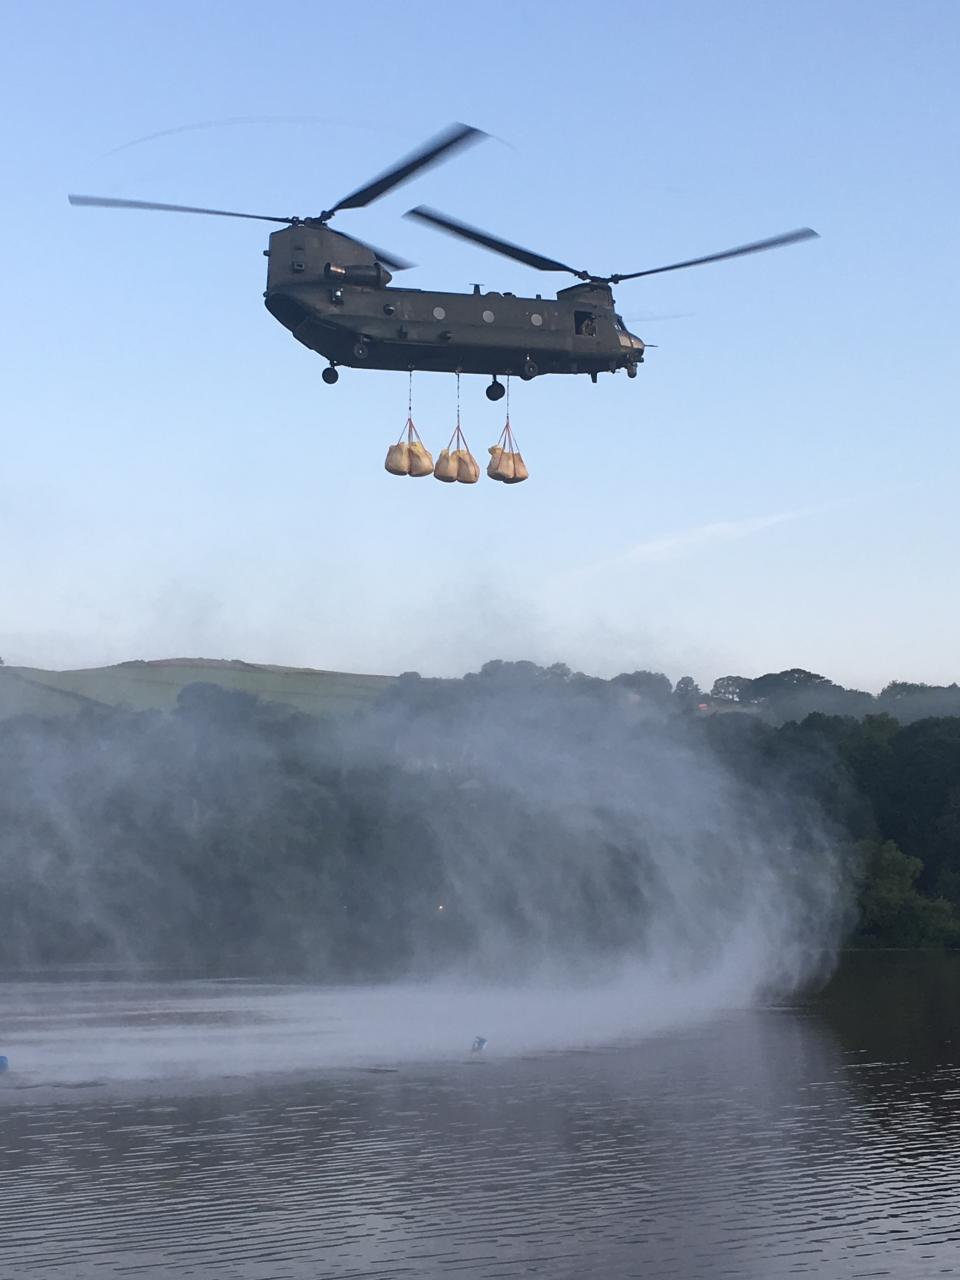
[778, 487]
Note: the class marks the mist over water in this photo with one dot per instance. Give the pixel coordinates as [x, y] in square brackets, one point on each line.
[598, 838]
[70, 1034]
[541, 859]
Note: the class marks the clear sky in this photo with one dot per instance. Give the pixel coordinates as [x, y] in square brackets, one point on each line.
[778, 487]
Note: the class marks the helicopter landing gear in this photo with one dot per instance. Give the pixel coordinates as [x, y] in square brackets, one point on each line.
[496, 390]
[593, 378]
[330, 375]
[631, 370]
[361, 351]
[529, 370]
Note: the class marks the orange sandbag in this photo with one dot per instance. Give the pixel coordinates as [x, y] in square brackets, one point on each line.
[447, 468]
[468, 468]
[398, 459]
[506, 463]
[421, 460]
[500, 466]
[408, 457]
[520, 471]
[456, 461]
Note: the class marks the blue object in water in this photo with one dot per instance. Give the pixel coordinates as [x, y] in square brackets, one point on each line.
[3, 1064]
[479, 1044]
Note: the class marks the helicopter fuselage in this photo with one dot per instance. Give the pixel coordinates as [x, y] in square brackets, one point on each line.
[335, 298]
[333, 292]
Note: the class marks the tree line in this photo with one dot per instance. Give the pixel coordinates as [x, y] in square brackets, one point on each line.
[779, 696]
[235, 835]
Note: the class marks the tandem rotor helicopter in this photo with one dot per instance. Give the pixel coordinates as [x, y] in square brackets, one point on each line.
[333, 292]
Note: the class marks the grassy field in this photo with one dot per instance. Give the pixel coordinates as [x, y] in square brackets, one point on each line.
[143, 686]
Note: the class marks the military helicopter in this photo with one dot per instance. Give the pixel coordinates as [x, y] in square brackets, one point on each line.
[333, 292]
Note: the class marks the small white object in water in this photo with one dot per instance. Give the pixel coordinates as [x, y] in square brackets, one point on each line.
[478, 1044]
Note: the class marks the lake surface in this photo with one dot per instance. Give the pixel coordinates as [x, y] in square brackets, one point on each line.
[149, 1131]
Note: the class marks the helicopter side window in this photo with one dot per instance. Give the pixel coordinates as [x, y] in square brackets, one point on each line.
[584, 324]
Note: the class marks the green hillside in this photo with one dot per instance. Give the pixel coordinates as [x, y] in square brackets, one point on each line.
[145, 686]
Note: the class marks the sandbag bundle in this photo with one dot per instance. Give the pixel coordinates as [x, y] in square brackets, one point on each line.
[457, 464]
[409, 457]
[506, 462]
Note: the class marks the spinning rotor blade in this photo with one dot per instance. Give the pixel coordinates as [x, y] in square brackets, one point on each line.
[388, 259]
[454, 228]
[458, 135]
[758, 246]
[107, 202]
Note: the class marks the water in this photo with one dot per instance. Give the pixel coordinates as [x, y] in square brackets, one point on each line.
[149, 1132]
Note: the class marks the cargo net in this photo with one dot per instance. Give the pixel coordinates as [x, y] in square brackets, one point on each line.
[456, 463]
[410, 456]
[506, 462]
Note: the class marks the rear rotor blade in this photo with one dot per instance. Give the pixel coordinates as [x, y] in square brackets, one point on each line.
[758, 246]
[458, 135]
[455, 228]
[107, 202]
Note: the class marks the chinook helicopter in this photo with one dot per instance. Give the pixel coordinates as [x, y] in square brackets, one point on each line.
[333, 292]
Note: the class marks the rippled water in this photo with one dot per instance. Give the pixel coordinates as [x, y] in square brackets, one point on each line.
[817, 1140]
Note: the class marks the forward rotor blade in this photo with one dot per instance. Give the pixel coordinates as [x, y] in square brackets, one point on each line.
[458, 135]
[107, 202]
[388, 259]
[102, 202]
[758, 246]
[455, 228]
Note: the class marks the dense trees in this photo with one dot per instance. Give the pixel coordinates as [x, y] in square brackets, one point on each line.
[779, 696]
[894, 789]
[891, 907]
[235, 835]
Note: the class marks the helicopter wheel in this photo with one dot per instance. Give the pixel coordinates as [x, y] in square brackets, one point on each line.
[361, 350]
[631, 370]
[496, 390]
[529, 370]
[330, 376]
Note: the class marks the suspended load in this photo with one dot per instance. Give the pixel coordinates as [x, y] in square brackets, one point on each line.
[446, 468]
[398, 459]
[457, 464]
[409, 457]
[468, 468]
[506, 462]
[421, 459]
